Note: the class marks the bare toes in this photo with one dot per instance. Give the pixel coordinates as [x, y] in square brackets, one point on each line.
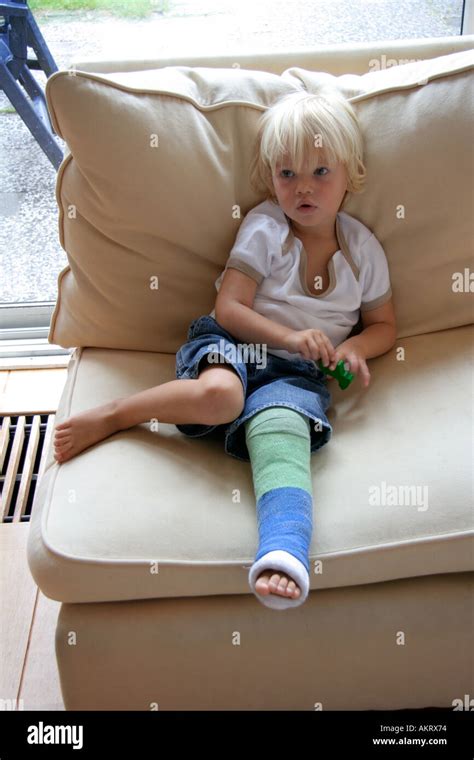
[274, 580]
[62, 433]
[270, 582]
[63, 440]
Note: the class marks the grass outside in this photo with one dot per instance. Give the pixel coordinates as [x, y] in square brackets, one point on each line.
[121, 8]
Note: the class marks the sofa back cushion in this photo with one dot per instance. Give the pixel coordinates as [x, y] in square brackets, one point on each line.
[156, 185]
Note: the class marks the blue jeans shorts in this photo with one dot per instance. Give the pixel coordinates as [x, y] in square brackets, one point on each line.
[297, 384]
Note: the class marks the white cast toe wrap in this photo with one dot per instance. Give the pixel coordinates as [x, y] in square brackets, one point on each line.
[287, 563]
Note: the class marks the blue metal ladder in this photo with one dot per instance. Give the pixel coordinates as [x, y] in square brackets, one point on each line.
[20, 30]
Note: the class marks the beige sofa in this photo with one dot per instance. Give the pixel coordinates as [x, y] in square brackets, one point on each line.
[147, 537]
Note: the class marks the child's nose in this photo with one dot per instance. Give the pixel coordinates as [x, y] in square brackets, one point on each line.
[304, 185]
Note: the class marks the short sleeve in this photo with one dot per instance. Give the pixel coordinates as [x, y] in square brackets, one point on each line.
[375, 277]
[254, 246]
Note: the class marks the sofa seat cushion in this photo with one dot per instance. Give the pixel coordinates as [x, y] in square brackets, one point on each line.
[151, 513]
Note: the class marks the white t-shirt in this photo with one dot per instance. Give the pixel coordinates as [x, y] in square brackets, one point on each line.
[267, 250]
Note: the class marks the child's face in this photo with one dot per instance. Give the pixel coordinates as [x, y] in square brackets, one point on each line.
[319, 183]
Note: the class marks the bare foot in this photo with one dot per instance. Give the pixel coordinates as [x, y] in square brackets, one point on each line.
[83, 430]
[277, 582]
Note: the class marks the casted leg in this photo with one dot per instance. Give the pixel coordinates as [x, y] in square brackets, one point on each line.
[278, 441]
[214, 397]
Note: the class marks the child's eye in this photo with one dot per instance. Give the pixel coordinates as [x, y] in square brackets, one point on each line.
[319, 169]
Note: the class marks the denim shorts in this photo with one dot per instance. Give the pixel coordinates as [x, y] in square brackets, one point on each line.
[297, 384]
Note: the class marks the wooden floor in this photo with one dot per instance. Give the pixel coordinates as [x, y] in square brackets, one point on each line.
[28, 676]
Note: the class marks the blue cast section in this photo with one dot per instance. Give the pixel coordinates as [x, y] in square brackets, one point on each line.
[285, 521]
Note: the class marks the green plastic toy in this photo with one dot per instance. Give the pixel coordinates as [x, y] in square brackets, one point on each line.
[342, 375]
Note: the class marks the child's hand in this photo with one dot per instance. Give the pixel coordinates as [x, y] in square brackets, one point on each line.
[356, 360]
[311, 343]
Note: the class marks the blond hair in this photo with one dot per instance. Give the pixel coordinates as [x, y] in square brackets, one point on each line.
[302, 123]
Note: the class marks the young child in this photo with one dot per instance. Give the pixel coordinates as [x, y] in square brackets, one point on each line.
[298, 277]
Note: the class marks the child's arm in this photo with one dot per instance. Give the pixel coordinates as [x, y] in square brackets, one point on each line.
[377, 337]
[234, 311]
[379, 333]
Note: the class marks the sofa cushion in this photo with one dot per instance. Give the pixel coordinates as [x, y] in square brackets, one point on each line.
[150, 513]
[156, 186]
